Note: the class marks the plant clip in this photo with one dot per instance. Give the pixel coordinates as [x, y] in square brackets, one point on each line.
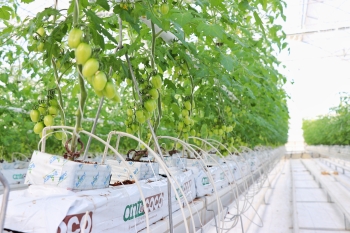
[71, 154]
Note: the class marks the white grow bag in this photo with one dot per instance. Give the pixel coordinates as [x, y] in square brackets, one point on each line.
[43, 209]
[47, 169]
[140, 170]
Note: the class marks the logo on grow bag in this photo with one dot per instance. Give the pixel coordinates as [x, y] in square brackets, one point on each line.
[18, 176]
[136, 210]
[75, 223]
[51, 176]
[62, 177]
[80, 180]
[95, 178]
[186, 187]
[222, 175]
[53, 158]
[30, 167]
[205, 180]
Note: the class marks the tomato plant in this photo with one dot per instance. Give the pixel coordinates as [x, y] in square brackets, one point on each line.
[213, 73]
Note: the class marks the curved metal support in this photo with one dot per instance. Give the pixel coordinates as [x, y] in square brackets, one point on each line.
[161, 164]
[188, 146]
[110, 147]
[5, 199]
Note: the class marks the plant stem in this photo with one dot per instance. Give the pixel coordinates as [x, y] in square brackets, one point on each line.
[80, 113]
[63, 120]
[153, 48]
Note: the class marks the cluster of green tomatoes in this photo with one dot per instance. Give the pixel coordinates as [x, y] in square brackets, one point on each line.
[149, 90]
[102, 85]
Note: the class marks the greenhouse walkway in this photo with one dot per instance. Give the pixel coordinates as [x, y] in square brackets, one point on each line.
[307, 196]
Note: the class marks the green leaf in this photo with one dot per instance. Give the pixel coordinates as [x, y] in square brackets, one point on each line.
[227, 62]
[175, 108]
[211, 30]
[259, 22]
[181, 18]
[27, 1]
[103, 4]
[5, 12]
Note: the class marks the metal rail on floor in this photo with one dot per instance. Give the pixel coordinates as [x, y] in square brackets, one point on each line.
[294, 203]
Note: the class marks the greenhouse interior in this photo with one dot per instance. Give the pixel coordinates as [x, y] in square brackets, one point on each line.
[196, 116]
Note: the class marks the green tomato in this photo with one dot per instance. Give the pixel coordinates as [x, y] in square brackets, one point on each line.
[150, 105]
[34, 115]
[129, 130]
[128, 81]
[187, 105]
[99, 93]
[53, 102]
[129, 112]
[153, 93]
[58, 135]
[90, 67]
[193, 132]
[99, 81]
[109, 90]
[187, 121]
[140, 117]
[180, 126]
[184, 112]
[42, 108]
[48, 120]
[40, 47]
[38, 127]
[74, 38]
[156, 81]
[82, 53]
[53, 110]
[41, 31]
[164, 9]
[117, 98]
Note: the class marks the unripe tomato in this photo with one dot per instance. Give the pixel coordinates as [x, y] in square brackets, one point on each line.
[140, 117]
[41, 31]
[74, 38]
[180, 126]
[53, 102]
[90, 67]
[34, 115]
[150, 105]
[156, 81]
[58, 135]
[40, 47]
[193, 132]
[129, 112]
[48, 120]
[128, 81]
[184, 112]
[53, 110]
[42, 108]
[187, 105]
[99, 93]
[187, 121]
[117, 98]
[164, 8]
[153, 93]
[99, 81]
[38, 127]
[185, 135]
[82, 53]
[109, 90]
[129, 130]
